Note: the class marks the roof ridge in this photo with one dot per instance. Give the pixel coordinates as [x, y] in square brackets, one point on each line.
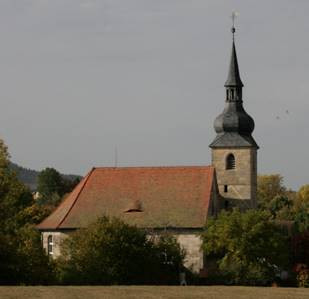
[80, 191]
[153, 167]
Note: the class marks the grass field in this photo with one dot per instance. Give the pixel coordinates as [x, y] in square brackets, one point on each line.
[152, 292]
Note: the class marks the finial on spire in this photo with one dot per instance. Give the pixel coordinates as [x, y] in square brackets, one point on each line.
[233, 16]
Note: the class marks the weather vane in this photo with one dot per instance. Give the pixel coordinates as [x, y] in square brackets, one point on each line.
[233, 16]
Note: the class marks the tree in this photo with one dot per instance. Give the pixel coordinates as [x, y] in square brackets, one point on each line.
[112, 252]
[52, 186]
[35, 267]
[248, 247]
[280, 207]
[301, 218]
[50, 183]
[22, 259]
[303, 194]
[14, 196]
[268, 187]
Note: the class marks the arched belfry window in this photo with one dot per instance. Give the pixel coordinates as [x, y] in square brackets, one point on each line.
[230, 162]
[50, 245]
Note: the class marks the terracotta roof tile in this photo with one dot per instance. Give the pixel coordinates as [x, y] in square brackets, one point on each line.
[168, 197]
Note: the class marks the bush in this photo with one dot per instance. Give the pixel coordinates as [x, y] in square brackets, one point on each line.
[112, 252]
[23, 260]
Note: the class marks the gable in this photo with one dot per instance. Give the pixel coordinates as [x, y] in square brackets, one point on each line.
[149, 197]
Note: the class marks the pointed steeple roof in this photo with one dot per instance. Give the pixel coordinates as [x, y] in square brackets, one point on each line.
[234, 126]
[233, 78]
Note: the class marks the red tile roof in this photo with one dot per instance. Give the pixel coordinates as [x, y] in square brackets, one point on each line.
[149, 197]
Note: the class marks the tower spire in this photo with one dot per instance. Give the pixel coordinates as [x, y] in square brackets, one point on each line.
[233, 78]
[234, 126]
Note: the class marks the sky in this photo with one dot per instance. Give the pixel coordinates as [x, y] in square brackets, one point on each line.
[87, 83]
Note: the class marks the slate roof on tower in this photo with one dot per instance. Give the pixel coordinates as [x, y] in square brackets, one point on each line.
[234, 125]
[233, 78]
[149, 197]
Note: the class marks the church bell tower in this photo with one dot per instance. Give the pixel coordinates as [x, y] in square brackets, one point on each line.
[234, 151]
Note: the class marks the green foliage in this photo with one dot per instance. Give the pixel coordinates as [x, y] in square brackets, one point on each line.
[284, 204]
[112, 252]
[303, 194]
[29, 176]
[34, 266]
[170, 257]
[280, 207]
[301, 210]
[50, 183]
[301, 218]
[249, 248]
[25, 175]
[269, 186]
[14, 196]
[52, 186]
[22, 259]
[4, 156]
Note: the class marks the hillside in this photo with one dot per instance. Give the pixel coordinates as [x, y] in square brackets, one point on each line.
[29, 176]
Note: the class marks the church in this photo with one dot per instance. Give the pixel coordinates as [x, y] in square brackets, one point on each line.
[175, 199]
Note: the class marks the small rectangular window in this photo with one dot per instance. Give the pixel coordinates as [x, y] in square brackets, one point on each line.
[50, 245]
[225, 188]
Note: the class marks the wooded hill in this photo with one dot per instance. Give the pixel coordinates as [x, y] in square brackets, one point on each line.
[29, 176]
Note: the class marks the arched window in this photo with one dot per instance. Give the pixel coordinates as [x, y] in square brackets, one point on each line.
[230, 162]
[50, 245]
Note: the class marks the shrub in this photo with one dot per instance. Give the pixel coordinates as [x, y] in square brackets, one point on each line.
[112, 252]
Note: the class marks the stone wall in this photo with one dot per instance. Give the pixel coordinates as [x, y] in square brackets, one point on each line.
[241, 182]
[194, 255]
[58, 238]
[190, 241]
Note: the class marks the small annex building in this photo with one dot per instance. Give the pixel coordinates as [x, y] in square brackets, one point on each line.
[174, 199]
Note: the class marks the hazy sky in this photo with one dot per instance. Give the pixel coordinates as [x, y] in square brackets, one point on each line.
[81, 77]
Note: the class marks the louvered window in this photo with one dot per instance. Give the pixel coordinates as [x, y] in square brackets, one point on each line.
[230, 162]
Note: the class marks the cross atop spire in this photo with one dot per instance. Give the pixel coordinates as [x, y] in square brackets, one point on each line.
[233, 79]
[233, 16]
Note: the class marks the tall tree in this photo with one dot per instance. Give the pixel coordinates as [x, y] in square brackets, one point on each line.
[52, 186]
[50, 183]
[268, 187]
[14, 196]
[249, 248]
[22, 258]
